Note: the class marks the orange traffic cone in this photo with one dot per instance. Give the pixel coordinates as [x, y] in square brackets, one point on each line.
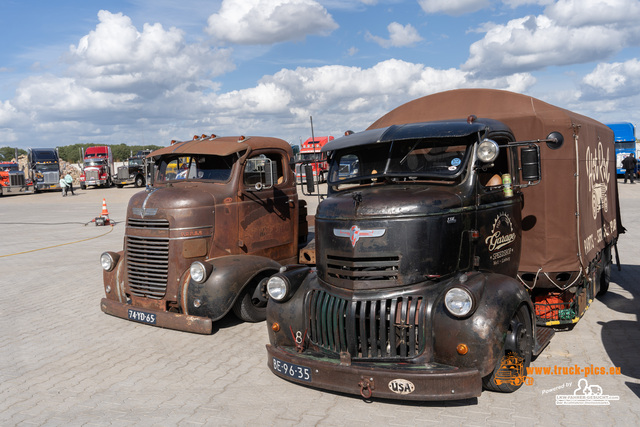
[105, 212]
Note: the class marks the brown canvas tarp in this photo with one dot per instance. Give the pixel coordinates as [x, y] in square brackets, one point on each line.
[574, 211]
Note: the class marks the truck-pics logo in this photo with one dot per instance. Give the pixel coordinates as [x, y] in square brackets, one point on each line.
[598, 175]
[502, 233]
[355, 233]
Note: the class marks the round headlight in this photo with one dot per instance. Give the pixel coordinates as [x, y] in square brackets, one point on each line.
[107, 261]
[488, 151]
[198, 272]
[277, 288]
[458, 301]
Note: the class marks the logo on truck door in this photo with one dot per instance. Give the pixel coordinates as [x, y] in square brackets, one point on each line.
[502, 235]
[355, 233]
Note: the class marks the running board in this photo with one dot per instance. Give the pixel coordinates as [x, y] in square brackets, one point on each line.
[543, 338]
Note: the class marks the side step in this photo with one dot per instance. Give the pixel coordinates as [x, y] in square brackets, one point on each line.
[543, 338]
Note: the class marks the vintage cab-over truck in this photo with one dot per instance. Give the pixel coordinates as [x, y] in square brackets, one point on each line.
[477, 221]
[221, 216]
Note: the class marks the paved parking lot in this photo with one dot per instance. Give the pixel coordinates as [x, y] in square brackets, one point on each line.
[64, 362]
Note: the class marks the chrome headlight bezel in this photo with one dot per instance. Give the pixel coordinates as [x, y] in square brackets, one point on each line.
[488, 151]
[199, 272]
[278, 287]
[459, 302]
[108, 260]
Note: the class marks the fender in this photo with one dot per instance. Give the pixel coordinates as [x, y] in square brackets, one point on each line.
[230, 274]
[114, 280]
[497, 297]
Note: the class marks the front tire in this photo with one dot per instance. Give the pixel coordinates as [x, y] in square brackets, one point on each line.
[248, 307]
[139, 181]
[518, 344]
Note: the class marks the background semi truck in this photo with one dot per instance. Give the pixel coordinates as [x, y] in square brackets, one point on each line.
[625, 142]
[311, 154]
[44, 168]
[478, 221]
[97, 167]
[220, 216]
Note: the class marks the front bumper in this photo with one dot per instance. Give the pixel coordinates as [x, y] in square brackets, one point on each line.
[163, 319]
[390, 380]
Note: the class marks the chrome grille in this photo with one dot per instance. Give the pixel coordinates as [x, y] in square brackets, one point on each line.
[368, 329]
[147, 260]
[51, 177]
[379, 269]
[123, 173]
[95, 175]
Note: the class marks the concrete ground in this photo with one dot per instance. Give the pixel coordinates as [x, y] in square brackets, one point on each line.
[64, 362]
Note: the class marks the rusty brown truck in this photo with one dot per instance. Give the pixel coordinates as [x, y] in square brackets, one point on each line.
[221, 215]
[477, 222]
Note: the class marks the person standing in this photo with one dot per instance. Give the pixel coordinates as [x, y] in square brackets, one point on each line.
[629, 164]
[63, 186]
[69, 180]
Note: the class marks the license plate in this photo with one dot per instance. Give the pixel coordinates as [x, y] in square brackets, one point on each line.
[294, 371]
[141, 316]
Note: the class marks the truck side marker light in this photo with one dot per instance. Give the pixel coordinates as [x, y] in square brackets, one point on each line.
[475, 234]
[462, 349]
[275, 327]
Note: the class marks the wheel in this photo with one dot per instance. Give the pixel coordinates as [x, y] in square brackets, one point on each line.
[83, 187]
[251, 305]
[139, 181]
[511, 369]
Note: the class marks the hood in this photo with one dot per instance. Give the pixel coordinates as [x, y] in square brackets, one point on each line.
[177, 197]
[390, 201]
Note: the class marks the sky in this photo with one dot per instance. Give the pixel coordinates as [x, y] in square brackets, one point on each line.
[151, 71]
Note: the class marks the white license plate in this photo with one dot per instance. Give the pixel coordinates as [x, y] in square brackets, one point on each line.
[294, 371]
[141, 316]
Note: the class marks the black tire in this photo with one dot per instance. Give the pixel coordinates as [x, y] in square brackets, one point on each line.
[120, 185]
[519, 343]
[83, 187]
[139, 181]
[250, 309]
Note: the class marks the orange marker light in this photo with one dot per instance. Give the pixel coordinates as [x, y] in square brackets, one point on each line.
[462, 349]
[275, 327]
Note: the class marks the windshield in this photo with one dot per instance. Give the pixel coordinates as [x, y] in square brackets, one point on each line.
[312, 156]
[197, 167]
[408, 160]
[136, 162]
[13, 167]
[47, 167]
[94, 162]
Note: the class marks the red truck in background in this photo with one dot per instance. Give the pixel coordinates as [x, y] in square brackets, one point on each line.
[311, 153]
[97, 168]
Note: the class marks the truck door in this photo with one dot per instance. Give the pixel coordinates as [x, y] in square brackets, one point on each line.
[267, 207]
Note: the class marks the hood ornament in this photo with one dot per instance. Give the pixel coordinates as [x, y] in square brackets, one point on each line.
[355, 233]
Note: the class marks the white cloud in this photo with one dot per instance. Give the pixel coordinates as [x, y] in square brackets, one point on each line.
[453, 7]
[399, 36]
[517, 3]
[570, 32]
[115, 57]
[263, 22]
[615, 80]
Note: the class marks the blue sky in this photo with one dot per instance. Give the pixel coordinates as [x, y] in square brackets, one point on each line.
[149, 71]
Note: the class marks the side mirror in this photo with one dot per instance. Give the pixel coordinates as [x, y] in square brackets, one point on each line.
[308, 174]
[530, 163]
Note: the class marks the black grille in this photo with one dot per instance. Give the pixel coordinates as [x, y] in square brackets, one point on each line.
[380, 269]
[148, 260]
[16, 179]
[388, 328]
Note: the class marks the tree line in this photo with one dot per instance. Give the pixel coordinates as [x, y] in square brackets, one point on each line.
[73, 153]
